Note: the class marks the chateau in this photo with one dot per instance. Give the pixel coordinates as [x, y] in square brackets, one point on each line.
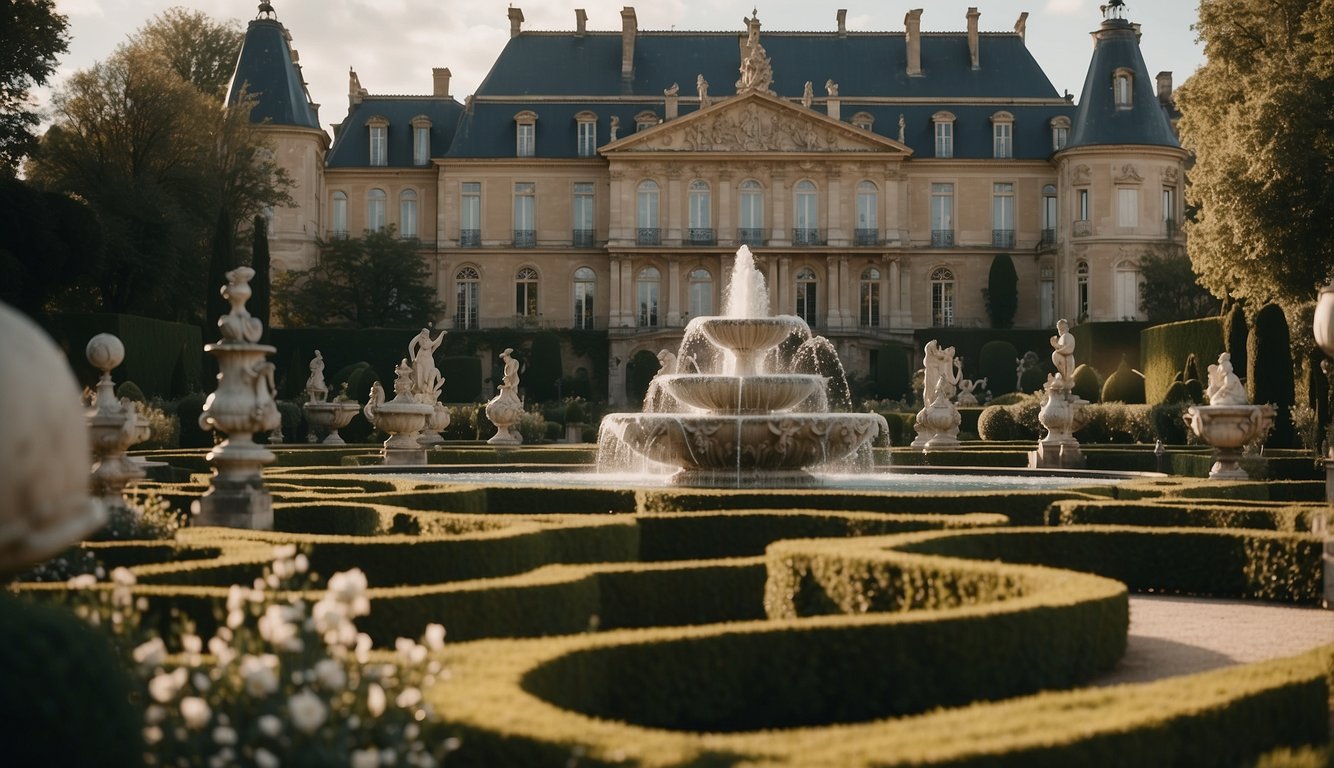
[603, 180]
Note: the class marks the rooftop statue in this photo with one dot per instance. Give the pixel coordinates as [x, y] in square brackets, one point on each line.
[757, 73]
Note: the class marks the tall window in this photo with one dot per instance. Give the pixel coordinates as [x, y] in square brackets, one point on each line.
[806, 289]
[525, 134]
[470, 214]
[525, 292]
[699, 202]
[338, 216]
[466, 281]
[1083, 210]
[375, 201]
[648, 289]
[1049, 214]
[752, 213]
[942, 215]
[1126, 291]
[421, 140]
[1047, 296]
[701, 292]
[1127, 207]
[584, 284]
[944, 133]
[868, 207]
[806, 214]
[1169, 211]
[1060, 132]
[587, 135]
[647, 213]
[1121, 88]
[379, 140]
[581, 213]
[1082, 290]
[525, 204]
[407, 213]
[870, 298]
[1002, 215]
[942, 297]
[1002, 135]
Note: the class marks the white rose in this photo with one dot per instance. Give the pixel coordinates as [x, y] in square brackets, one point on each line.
[151, 653]
[365, 758]
[260, 674]
[270, 726]
[435, 636]
[163, 687]
[196, 712]
[330, 674]
[266, 759]
[307, 711]
[375, 700]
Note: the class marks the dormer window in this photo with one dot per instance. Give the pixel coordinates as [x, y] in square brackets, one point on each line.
[525, 143]
[1002, 135]
[863, 120]
[1123, 81]
[421, 140]
[1060, 133]
[378, 128]
[944, 130]
[645, 120]
[587, 135]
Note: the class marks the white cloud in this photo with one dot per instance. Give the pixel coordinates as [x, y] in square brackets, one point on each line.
[1066, 7]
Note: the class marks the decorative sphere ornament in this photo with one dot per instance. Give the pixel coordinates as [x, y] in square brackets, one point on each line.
[105, 351]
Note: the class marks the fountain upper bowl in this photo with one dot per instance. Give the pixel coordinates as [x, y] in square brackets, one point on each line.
[761, 393]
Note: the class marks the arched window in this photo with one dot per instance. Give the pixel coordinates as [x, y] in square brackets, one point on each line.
[942, 297]
[1002, 135]
[944, 133]
[585, 283]
[1060, 132]
[806, 214]
[407, 213]
[648, 290]
[870, 297]
[1082, 290]
[868, 218]
[378, 137]
[338, 216]
[751, 231]
[701, 292]
[525, 292]
[806, 290]
[587, 134]
[1127, 291]
[647, 213]
[1123, 81]
[525, 134]
[421, 140]
[375, 201]
[700, 214]
[1048, 215]
[466, 281]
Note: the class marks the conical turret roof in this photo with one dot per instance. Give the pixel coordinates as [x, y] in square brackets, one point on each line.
[1101, 118]
[266, 69]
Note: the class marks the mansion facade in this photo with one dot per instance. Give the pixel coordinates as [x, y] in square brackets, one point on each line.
[604, 180]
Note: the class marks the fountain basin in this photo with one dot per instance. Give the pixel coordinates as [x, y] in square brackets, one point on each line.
[741, 395]
[748, 338]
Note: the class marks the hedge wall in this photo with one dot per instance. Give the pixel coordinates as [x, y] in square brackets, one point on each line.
[1102, 345]
[164, 359]
[1164, 349]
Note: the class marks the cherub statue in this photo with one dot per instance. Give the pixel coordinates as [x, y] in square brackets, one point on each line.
[667, 363]
[1224, 386]
[673, 90]
[831, 87]
[1063, 351]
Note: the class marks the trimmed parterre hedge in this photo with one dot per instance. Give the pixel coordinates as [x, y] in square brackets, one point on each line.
[797, 627]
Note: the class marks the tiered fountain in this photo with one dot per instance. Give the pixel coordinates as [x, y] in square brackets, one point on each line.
[753, 410]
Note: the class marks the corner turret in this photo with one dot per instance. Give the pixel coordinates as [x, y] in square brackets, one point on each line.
[268, 70]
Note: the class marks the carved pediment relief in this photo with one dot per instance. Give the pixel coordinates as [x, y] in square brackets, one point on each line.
[1128, 173]
[756, 123]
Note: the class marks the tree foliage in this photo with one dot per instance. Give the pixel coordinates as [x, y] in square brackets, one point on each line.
[1171, 289]
[32, 35]
[1259, 116]
[199, 49]
[373, 281]
[1002, 291]
[49, 244]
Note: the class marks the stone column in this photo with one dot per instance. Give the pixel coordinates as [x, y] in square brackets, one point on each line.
[674, 292]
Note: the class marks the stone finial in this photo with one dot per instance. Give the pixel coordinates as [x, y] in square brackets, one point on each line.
[238, 326]
[106, 352]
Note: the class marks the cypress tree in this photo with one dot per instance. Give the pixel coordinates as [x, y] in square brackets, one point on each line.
[259, 261]
[1002, 291]
[1269, 376]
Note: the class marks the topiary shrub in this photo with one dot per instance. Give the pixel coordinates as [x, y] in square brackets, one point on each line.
[1168, 421]
[574, 412]
[543, 372]
[1269, 376]
[1033, 378]
[996, 423]
[1196, 389]
[128, 389]
[1087, 383]
[892, 374]
[1236, 337]
[359, 377]
[192, 435]
[996, 361]
[1191, 370]
[1125, 385]
[294, 421]
[1002, 291]
[463, 379]
[1178, 393]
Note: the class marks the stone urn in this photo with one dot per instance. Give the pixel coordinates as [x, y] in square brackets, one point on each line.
[328, 418]
[113, 425]
[1228, 428]
[402, 418]
[937, 425]
[504, 410]
[1062, 414]
[436, 423]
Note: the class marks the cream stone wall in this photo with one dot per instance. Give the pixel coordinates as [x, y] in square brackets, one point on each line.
[294, 228]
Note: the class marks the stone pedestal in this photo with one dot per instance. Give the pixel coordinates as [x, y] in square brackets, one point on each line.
[113, 425]
[505, 410]
[402, 420]
[937, 426]
[436, 423]
[1062, 415]
[1228, 428]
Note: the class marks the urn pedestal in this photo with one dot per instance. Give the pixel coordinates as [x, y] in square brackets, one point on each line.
[1062, 414]
[403, 422]
[937, 426]
[504, 410]
[1228, 428]
[113, 426]
[241, 406]
[436, 423]
[328, 418]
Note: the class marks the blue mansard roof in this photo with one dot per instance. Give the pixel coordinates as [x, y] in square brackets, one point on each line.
[351, 146]
[267, 71]
[1099, 119]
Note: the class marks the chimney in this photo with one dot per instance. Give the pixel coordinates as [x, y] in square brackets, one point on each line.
[912, 36]
[580, 22]
[516, 21]
[629, 28]
[972, 35]
[1021, 25]
[842, 22]
[440, 81]
[1165, 87]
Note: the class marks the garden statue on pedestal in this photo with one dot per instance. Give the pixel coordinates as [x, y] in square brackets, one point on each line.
[505, 409]
[316, 389]
[967, 387]
[937, 424]
[324, 416]
[242, 405]
[1062, 413]
[428, 383]
[401, 418]
[1228, 422]
[113, 425]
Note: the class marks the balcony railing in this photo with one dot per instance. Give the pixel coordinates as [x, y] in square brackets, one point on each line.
[1083, 228]
[582, 238]
[525, 238]
[470, 238]
[1170, 227]
[806, 236]
[648, 236]
[701, 236]
[750, 236]
[1048, 238]
[942, 238]
[1002, 238]
[866, 237]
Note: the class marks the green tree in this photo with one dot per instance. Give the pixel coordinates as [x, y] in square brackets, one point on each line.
[373, 281]
[199, 49]
[1259, 117]
[1002, 291]
[48, 244]
[1171, 290]
[32, 35]
[259, 259]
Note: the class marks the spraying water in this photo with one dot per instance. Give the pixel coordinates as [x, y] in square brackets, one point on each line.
[747, 295]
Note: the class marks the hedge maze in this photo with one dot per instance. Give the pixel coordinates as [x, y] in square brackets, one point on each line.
[803, 628]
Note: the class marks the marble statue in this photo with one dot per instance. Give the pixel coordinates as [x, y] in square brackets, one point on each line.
[316, 389]
[427, 381]
[1063, 351]
[937, 424]
[757, 73]
[667, 363]
[1224, 386]
[831, 87]
[966, 388]
[1229, 422]
[807, 95]
[506, 408]
[615, 127]
[702, 86]
[903, 128]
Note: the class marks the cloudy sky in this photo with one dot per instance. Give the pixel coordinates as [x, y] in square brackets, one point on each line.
[392, 44]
